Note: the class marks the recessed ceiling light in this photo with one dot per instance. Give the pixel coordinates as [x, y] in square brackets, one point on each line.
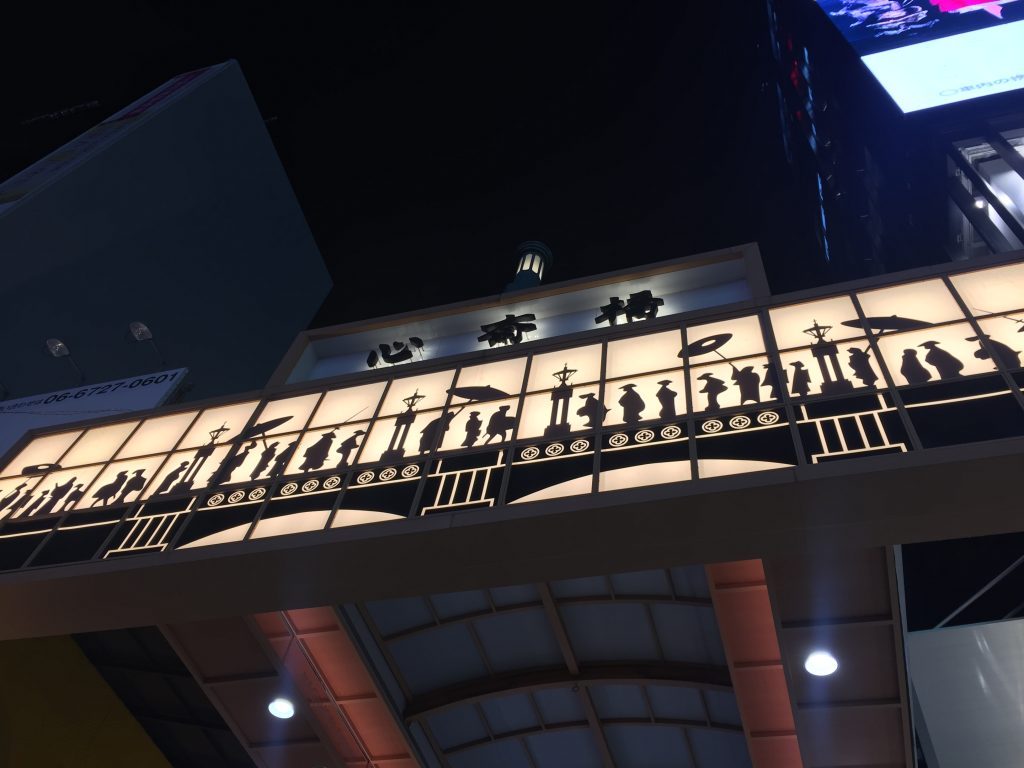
[281, 708]
[821, 664]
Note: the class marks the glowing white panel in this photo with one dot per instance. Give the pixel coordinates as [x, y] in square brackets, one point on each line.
[185, 467]
[586, 361]
[725, 385]
[928, 300]
[157, 435]
[344, 405]
[297, 522]
[537, 413]
[506, 376]
[662, 396]
[295, 409]
[952, 69]
[231, 418]
[431, 388]
[656, 352]
[744, 338]
[492, 425]
[573, 487]
[992, 290]
[97, 445]
[324, 448]
[121, 482]
[721, 467]
[58, 491]
[790, 323]
[645, 474]
[221, 537]
[346, 517]
[42, 450]
[387, 435]
[856, 361]
[913, 358]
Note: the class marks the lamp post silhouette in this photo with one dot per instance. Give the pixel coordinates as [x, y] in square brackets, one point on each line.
[561, 396]
[833, 381]
[58, 349]
[396, 448]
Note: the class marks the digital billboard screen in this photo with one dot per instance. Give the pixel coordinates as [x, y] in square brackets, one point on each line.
[928, 53]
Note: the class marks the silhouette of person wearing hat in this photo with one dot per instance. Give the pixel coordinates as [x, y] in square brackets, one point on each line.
[228, 466]
[473, 428]
[134, 484]
[281, 462]
[348, 445]
[632, 405]
[592, 410]
[771, 380]
[76, 494]
[433, 433]
[108, 491]
[713, 387]
[749, 383]
[316, 454]
[860, 364]
[58, 493]
[265, 458]
[667, 398]
[801, 380]
[168, 481]
[1004, 354]
[11, 496]
[499, 423]
[912, 370]
[948, 366]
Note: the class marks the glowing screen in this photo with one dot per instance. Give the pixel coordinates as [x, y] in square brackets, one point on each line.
[927, 53]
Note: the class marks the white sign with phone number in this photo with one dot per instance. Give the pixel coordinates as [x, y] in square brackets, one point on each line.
[90, 401]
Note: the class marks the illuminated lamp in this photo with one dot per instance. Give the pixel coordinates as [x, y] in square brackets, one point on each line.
[533, 259]
[281, 708]
[979, 202]
[821, 663]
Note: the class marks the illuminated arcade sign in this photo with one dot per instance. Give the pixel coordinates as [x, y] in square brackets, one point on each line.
[927, 53]
[880, 371]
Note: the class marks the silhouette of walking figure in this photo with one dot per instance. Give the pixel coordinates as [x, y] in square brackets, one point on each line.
[20, 502]
[592, 410]
[281, 462]
[748, 382]
[228, 466]
[73, 497]
[432, 434]
[11, 496]
[36, 503]
[499, 423]
[771, 380]
[632, 405]
[713, 387]
[912, 370]
[473, 428]
[860, 364]
[667, 398]
[108, 491]
[58, 493]
[348, 445]
[135, 484]
[316, 454]
[265, 458]
[801, 380]
[946, 364]
[168, 481]
[1008, 357]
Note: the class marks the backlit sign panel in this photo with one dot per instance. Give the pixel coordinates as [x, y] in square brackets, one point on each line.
[929, 53]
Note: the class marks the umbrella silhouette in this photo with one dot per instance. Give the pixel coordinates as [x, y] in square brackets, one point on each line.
[883, 324]
[706, 346]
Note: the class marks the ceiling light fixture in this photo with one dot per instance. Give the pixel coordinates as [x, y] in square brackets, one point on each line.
[821, 664]
[281, 708]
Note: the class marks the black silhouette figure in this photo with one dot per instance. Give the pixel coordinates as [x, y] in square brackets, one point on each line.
[35, 504]
[348, 445]
[316, 454]
[632, 405]
[801, 380]
[1004, 354]
[592, 410]
[748, 382]
[473, 428]
[713, 387]
[74, 497]
[499, 423]
[265, 458]
[168, 481]
[667, 398]
[134, 484]
[433, 433]
[771, 380]
[946, 364]
[11, 496]
[912, 370]
[20, 502]
[108, 491]
[228, 466]
[860, 364]
[281, 462]
[58, 493]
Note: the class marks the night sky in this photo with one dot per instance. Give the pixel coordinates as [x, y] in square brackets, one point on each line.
[425, 140]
